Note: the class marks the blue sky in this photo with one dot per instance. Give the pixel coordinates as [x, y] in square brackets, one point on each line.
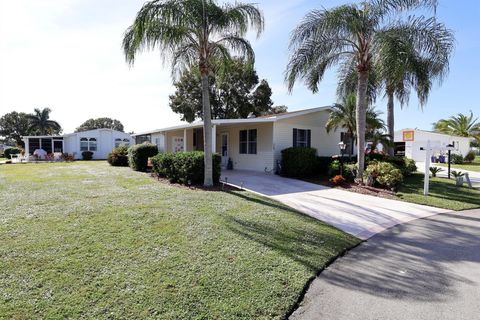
[66, 55]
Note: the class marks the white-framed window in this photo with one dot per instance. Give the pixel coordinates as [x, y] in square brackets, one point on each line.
[88, 144]
[301, 137]
[118, 142]
[248, 141]
[83, 144]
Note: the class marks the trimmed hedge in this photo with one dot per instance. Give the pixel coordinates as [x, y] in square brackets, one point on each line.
[118, 157]
[138, 155]
[185, 167]
[87, 155]
[10, 151]
[299, 162]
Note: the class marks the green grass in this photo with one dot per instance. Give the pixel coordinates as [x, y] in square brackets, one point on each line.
[474, 166]
[86, 240]
[443, 193]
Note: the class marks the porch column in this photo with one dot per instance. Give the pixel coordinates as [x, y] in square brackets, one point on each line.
[184, 140]
[27, 146]
[214, 138]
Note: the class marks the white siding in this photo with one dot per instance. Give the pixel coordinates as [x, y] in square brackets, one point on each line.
[325, 143]
[105, 142]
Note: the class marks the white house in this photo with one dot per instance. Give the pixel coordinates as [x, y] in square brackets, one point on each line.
[409, 142]
[253, 143]
[99, 141]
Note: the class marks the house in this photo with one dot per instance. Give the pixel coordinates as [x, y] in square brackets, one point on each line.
[99, 141]
[410, 142]
[253, 143]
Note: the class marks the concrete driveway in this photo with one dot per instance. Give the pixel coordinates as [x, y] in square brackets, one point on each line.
[360, 215]
[428, 269]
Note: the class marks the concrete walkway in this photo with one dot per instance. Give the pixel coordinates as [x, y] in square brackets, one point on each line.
[428, 269]
[360, 215]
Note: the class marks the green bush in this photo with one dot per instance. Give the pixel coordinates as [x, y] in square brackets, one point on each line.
[470, 157]
[138, 155]
[406, 166]
[87, 155]
[299, 162]
[349, 170]
[410, 167]
[323, 164]
[118, 157]
[384, 173]
[457, 159]
[10, 151]
[185, 167]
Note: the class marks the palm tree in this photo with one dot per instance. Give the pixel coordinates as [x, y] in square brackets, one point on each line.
[41, 124]
[349, 35]
[343, 115]
[412, 57]
[459, 125]
[195, 33]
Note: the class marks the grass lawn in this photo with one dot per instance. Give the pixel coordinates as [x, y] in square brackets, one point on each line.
[443, 193]
[86, 240]
[474, 166]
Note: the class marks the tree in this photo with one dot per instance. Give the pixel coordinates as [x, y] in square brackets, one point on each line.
[233, 95]
[100, 123]
[343, 115]
[349, 35]
[40, 123]
[195, 32]
[459, 125]
[13, 126]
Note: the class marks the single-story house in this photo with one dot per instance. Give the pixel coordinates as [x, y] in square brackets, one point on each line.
[254, 143]
[412, 142]
[99, 141]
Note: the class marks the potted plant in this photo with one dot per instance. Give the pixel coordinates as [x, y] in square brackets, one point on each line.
[458, 175]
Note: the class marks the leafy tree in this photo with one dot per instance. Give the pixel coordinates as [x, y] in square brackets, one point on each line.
[195, 33]
[100, 123]
[349, 35]
[234, 95]
[343, 115]
[13, 126]
[459, 125]
[40, 123]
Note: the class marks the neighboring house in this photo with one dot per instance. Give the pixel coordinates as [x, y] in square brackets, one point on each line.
[253, 143]
[99, 141]
[410, 142]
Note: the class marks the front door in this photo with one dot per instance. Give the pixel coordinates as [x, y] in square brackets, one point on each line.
[224, 148]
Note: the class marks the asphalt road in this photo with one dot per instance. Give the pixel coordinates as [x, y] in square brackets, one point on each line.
[426, 269]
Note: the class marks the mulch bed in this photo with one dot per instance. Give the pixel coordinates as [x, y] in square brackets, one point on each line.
[217, 187]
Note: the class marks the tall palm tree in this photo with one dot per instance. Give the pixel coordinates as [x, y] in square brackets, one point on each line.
[41, 124]
[343, 115]
[349, 35]
[459, 125]
[195, 32]
[412, 57]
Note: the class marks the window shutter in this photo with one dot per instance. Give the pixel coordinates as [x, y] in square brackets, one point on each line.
[295, 137]
[309, 138]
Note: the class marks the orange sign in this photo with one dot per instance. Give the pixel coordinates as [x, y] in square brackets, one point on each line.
[408, 135]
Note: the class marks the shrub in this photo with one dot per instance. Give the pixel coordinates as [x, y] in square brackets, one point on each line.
[470, 157]
[138, 155]
[435, 170]
[10, 151]
[349, 170]
[384, 173]
[410, 167]
[299, 162]
[185, 167]
[118, 157]
[338, 180]
[323, 164]
[87, 155]
[457, 159]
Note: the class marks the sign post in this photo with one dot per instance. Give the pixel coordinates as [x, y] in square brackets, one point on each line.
[426, 180]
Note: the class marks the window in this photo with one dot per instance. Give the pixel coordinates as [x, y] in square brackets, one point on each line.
[248, 141]
[83, 144]
[92, 144]
[118, 143]
[301, 137]
[346, 138]
[126, 142]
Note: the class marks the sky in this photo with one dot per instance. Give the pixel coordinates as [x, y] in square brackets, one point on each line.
[66, 55]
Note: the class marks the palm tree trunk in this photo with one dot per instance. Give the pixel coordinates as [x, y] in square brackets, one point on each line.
[391, 121]
[361, 121]
[207, 131]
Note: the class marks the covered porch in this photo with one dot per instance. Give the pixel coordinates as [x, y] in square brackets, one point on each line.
[249, 146]
[49, 144]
